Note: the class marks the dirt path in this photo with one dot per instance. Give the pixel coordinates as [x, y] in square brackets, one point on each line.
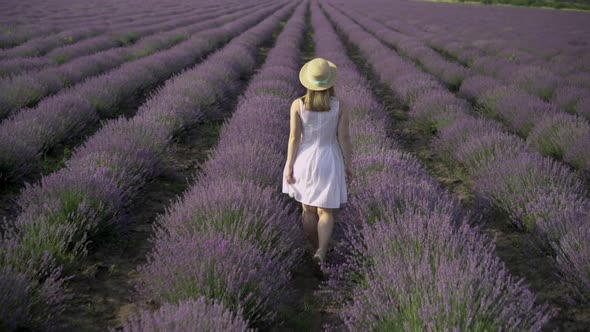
[305, 312]
[515, 248]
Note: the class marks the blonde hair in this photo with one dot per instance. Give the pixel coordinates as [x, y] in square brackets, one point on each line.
[318, 101]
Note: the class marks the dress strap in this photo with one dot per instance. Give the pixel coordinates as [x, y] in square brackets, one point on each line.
[301, 105]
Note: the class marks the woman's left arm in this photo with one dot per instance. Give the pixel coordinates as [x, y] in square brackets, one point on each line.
[295, 134]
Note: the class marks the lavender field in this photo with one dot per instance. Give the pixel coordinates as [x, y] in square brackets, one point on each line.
[142, 145]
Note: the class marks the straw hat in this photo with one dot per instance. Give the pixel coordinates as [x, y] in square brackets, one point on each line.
[318, 74]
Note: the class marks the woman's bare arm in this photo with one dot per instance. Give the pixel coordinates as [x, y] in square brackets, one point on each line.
[344, 136]
[295, 134]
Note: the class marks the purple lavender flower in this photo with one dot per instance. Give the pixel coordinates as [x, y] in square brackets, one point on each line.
[474, 87]
[568, 98]
[535, 80]
[556, 133]
[521, 111]
[228, 269]
[438, 109]
[242, 161]
[480, 151]
[451, 137]
[32, 292]
[201, 314]
[227, 206]
[513, 181]
[449, 263]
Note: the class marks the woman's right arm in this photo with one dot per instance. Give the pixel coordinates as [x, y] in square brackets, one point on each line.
[344, 137]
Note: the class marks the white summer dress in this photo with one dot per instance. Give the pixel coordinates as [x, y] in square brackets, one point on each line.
[318, 169]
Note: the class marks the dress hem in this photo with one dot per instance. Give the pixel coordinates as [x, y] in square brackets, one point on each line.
[292, 195]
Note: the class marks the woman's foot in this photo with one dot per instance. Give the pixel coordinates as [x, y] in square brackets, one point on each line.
[318, 260]
[319, 257]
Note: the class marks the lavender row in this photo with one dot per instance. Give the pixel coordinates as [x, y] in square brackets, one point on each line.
[24, 38]
[558, 69]
[230, 237]
[43, 45]
[22, 34]
[547, 129]
[568, 93]
[538, 193]
[563, 79]
[564, 86]
[44, 26]
[30, 132]
[64, 15]
[552, 132]
[201, 314]
[62, 214]
[567, 89]
[450, 73]
[27, 89]
[554, 39]
[407, 248]
[539, 84]
[110, 39]
[135, 30]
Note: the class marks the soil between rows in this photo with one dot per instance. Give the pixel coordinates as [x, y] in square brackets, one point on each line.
[305, 312]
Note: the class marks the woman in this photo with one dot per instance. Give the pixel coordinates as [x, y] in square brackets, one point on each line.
[319, 164]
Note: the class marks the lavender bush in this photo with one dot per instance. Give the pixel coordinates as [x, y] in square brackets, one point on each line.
[420, 266]
[191, 315]
[25, 299]
[513, 180]
[228, 206]
[229, 269]
[570, 99]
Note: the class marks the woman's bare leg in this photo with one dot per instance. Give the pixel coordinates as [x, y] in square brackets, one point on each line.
[325, 226]
[310, 224]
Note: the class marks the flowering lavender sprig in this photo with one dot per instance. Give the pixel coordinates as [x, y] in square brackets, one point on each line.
[199, 314]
